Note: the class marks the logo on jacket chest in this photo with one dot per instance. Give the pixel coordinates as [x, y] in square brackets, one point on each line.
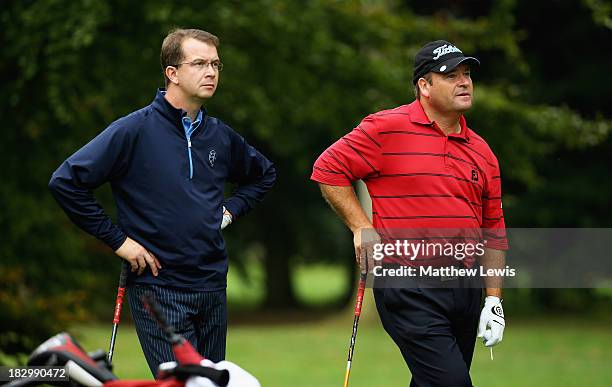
[212, 157]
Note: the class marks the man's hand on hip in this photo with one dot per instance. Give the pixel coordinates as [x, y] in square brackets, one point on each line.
[492, 322]
[138, 257]
[227, 218]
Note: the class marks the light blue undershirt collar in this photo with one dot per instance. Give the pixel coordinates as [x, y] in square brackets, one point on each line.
[190, 126]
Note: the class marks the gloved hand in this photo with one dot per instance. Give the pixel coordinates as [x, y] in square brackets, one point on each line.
[492, 322]
[227, 218]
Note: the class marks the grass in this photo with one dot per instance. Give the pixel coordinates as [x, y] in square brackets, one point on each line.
[283, 352]
[309, 349]
[315, 284]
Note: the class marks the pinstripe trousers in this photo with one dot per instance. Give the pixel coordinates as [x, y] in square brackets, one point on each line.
[200, 317]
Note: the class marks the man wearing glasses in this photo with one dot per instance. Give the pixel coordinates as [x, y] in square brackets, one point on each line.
[167, 164]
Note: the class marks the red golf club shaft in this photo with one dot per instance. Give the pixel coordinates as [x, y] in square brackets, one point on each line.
[125, 269]
[358, 304]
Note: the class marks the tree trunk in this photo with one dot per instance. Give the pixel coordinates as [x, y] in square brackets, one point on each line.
[280, 243]
[279, 280]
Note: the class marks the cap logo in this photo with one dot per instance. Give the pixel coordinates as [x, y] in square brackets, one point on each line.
[443, 68]
[445, 49]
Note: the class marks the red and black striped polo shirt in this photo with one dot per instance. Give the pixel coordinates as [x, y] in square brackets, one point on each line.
[417, 176]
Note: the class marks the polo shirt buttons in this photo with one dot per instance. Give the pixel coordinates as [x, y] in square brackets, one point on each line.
[447, 160]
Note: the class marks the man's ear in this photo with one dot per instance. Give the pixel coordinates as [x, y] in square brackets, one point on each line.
[171, 74]
[423, 86]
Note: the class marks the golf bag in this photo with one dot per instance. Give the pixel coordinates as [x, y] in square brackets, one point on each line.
[94, 369]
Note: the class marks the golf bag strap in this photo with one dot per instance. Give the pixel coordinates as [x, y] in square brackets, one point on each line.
[145, 383]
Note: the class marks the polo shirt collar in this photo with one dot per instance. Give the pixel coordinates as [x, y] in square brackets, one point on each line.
[190, 126]
[464, 134]
[417, 115]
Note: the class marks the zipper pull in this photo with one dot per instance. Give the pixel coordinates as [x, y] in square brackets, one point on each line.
[189, 143]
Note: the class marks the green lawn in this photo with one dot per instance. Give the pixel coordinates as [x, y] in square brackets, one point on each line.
[559, 352]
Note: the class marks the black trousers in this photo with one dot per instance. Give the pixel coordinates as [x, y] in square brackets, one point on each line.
[200, 317]
[435, 330]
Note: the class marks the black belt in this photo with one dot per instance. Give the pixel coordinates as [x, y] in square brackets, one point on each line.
[442, 281]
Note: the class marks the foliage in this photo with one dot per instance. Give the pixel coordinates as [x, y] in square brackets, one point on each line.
[28, 317]
[297, 76]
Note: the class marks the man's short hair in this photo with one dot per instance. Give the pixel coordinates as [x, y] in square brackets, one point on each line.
[171, 49]
[417, 91]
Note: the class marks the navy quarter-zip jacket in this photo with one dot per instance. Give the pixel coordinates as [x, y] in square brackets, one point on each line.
[144, 156]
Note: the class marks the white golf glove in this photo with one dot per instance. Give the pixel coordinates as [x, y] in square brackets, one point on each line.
[492, 322]
[227, 218]
[238, 376]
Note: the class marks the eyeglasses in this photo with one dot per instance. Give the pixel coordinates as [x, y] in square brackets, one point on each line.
[202, 64]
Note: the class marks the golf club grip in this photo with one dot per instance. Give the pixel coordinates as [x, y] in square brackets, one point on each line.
[125, 269]
[360, 292]
[219, 377]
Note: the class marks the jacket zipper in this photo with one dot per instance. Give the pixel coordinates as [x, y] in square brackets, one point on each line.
[190, 160]
[188, 136]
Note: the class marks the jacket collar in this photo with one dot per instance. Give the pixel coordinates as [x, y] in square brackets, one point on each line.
[417, 115]
[170, 112]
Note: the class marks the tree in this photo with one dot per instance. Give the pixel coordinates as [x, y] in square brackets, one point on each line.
[298, 75]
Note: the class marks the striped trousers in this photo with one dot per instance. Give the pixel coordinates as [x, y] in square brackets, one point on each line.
[200, 317]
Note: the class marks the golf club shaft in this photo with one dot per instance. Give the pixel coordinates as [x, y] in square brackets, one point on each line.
[125, 269]
[358, 304]
[152, 306]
